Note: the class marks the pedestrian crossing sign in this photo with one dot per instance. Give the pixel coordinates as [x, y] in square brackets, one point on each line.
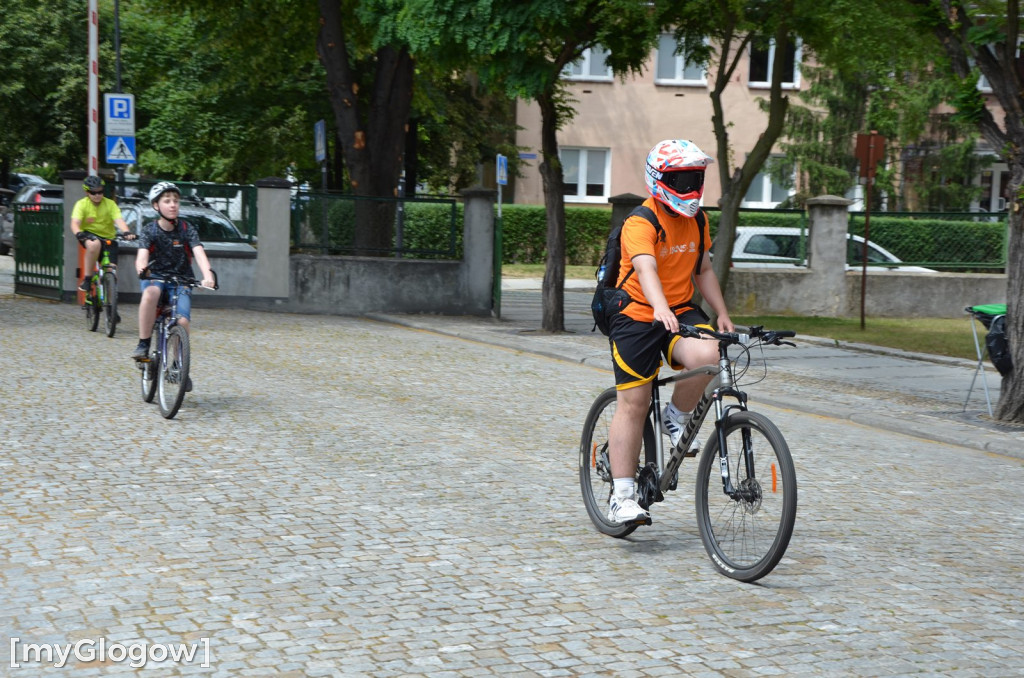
[121, 150]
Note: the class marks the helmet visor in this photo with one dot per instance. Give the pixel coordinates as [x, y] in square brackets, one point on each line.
[683, 182]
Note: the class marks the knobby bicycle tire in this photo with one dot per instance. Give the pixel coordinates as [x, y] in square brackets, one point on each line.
[747, 536]
[110, 303]
[173, 371]
[595, 468]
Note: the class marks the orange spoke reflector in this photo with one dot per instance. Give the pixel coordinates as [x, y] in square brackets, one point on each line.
[593, 455]
[775, 480]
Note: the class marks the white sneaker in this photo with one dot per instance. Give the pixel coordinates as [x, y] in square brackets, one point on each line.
[626, 510]
[673, 428]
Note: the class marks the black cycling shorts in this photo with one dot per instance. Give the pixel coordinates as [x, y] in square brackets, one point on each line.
[638, 347]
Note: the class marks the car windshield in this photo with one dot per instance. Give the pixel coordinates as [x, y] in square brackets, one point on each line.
[212, 227]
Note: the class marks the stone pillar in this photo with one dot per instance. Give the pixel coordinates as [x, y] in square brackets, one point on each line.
[826, 255]
[273, 230]
[73, 192]
[478, 247]
[622, 205]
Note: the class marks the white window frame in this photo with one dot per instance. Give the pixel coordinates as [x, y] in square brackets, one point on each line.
[585, 65]
[797, 57]
[766, 190]
[581, 180]
[680, 62]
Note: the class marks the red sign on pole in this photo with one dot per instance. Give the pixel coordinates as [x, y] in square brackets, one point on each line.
[870, 152]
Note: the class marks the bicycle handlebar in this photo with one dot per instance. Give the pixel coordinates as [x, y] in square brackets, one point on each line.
[773, 337]
[184, 280]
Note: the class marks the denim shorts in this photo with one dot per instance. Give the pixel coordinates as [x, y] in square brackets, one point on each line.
[184, 296]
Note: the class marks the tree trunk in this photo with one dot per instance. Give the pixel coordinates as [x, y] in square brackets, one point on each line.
[1011, 395]
[371, 132]
[553, 296]
[736, 184]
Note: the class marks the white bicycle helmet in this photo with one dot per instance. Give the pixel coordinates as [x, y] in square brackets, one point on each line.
[161, 188]
[675, 175]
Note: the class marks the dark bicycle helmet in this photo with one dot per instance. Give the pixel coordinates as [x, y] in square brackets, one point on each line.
[92, 183]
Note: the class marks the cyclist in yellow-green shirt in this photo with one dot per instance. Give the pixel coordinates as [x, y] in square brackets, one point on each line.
[96, 215]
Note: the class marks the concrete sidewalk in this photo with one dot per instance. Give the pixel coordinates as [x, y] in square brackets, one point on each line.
[899, 391]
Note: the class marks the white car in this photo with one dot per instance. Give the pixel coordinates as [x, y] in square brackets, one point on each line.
[779, 247]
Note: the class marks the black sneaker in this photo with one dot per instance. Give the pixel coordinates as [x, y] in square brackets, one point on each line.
[188, 384]
[141, 352]
[85, 285]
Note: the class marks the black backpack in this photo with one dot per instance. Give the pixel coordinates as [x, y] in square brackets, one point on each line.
[609, 299]
[999, 346]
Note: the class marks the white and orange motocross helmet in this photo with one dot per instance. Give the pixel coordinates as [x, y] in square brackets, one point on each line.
[675, 175]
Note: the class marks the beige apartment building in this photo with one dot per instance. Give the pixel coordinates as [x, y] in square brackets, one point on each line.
[604, 148]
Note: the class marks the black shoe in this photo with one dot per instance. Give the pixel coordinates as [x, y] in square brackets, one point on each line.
[84, 286]
[188, 384]
[141, 352]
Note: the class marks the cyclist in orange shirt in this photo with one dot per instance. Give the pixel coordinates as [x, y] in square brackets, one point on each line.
[667, 264]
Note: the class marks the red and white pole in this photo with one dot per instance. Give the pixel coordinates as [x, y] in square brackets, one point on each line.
[94, 83]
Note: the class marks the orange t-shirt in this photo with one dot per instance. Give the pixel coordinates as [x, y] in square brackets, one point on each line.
[676, 257]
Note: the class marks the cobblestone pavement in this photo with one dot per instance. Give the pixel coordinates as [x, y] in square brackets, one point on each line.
[352, 497]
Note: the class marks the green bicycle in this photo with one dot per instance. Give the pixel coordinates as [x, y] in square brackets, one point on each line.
[101, 297]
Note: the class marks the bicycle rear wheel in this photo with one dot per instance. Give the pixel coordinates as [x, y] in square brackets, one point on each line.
[747, 534]
[110, 318]
[92, 307]
[173, 372]
[595, 466]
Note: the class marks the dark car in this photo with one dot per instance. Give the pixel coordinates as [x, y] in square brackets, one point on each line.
[18, 180]
[216, 232]
[26, 200]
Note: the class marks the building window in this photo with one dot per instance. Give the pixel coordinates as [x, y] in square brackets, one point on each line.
[761, 60]
[592, 65]
[676, 69]
[585, 173]
[764, 192]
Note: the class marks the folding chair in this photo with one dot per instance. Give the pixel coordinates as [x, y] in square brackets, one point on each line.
[985, 314]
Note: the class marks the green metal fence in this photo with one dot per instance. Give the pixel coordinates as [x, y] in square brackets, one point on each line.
[38, 250]
[421, 227]
[948, 241]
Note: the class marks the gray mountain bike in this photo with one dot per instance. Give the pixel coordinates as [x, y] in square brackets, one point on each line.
[165, 371]
[746, 493]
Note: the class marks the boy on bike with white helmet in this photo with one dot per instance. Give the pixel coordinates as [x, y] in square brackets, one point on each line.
[666, 263]
[167, 247]
[96, 215]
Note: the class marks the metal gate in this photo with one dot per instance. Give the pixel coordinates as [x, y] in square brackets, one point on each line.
[38, 250]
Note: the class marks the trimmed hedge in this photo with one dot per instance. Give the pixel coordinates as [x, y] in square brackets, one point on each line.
[955, 242]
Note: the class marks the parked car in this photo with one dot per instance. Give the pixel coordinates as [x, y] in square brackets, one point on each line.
[778, 247]
[18, 180]
[32, 195]
[217, 233]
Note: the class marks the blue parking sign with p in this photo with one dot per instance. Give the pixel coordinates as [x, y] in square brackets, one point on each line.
[119, 108]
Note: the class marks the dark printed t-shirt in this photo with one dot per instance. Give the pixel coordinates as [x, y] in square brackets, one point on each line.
[167, 255]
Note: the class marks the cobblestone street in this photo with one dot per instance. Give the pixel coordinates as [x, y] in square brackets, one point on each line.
[349, 497]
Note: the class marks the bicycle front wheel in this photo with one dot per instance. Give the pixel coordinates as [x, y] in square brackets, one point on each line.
[149, 375]
[92, 307]
[173, 372]
[110, 303]
[746, 533]
[595, 465]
